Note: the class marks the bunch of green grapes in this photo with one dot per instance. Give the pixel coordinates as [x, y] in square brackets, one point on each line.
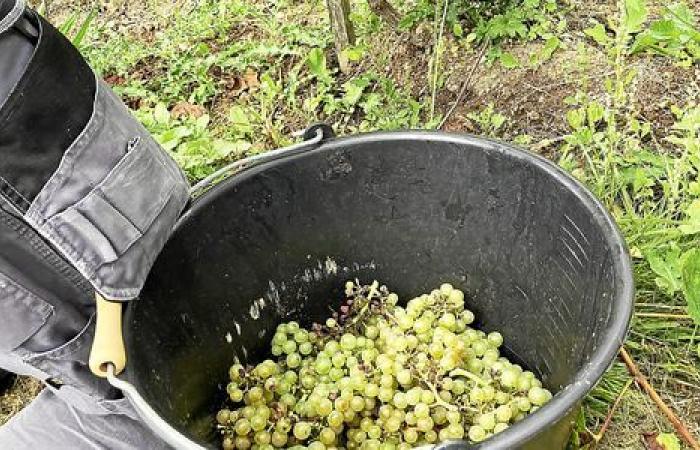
[379, 376]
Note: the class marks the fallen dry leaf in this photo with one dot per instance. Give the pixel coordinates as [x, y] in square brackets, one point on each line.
[235, 84]
[250, 79]
[650, 441]
[115, 80]
[185, 109]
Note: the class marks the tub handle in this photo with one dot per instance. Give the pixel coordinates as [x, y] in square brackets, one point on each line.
[313, 136]
[156, 423]
[108, 344]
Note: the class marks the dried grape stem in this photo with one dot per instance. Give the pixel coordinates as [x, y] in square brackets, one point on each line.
[651, 392]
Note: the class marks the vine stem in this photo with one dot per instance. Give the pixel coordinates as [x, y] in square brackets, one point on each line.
[651, 392]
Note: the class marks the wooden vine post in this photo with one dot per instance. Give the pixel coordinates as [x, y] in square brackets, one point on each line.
[343, 32]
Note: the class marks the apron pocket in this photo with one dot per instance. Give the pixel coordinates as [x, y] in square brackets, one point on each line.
[113, 201]
[22, 313]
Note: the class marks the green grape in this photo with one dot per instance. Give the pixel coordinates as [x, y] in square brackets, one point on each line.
[301, 336]
[374, 432]
[316, 445]
[403, 376]
[348, 341]
[500, 427]
[255, 394]
[332, 347]
[242, 442]
[302, 430]
[359, 436]
[392, 424]
[386, 381]
[223, 416]
[357, 403]
[323, 365]
[424, 424]
[371, 332]
[228, 443]
[324, 407]
[262, 437]
[487, 421]
[421, 410]
[476, 433]
[448, 321]
[305, 348]
[338, 360]
[509, 378]
[503, 413]
[283, 425]
[523, 404]
[455, 431]
[399, 400]
[327, 436]
[468, 317]
[258, 422]
[242, 427]
[293, 360]
[277, 350]
[410, 435]
[278, 439]
[453, 417]
[502, 397]
[335, 418]
[523, 384]
[538, 396]
[371, 390]
[489, 393]
[386, 394]
[430, 436]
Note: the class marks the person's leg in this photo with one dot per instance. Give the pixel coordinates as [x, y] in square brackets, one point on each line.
[49, 422]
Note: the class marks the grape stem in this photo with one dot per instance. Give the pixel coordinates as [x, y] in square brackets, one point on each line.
[439, 401]
[471, 376]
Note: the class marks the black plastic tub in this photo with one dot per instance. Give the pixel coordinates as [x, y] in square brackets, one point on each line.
[538, 257]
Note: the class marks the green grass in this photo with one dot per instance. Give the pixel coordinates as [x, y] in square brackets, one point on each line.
[645, 170]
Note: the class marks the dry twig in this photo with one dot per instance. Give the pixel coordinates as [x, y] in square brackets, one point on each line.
[651, 392]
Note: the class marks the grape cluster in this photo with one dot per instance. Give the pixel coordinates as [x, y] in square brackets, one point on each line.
[379, 376]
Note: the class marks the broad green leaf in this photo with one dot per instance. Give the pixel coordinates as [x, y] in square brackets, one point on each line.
[224, 148]
[161, 114]
[667, 269]
[575, 118]
[457, 29]
[594, 112]
[509, 61]
[692, 221]
[635, 15]
[354, 90]
[691, 282]
[354, 53]
[664, 30]
[240, 120]
[598, 34]
[202, 122]
[550, 46]
[317, 64]
[668, 441]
